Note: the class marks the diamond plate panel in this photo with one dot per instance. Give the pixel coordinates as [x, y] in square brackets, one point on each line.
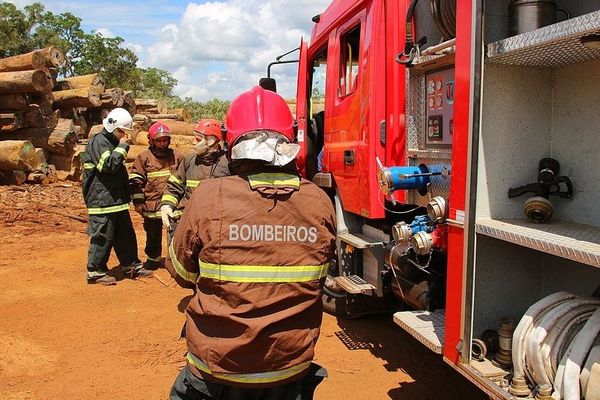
[551, 46]
[428, 327]
[415, 109]
[577, 242]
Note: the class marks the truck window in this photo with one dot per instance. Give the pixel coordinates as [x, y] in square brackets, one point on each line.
[349, 53]
[317, 82]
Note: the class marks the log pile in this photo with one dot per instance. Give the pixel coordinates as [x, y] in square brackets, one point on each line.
[47, 120]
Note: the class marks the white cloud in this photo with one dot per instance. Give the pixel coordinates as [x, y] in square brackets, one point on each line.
[105, 32]
[238, 38]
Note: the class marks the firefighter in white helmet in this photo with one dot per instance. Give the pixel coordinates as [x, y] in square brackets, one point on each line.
[106, 194]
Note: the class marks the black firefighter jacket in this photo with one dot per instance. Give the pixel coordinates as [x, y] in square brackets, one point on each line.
[105, 180]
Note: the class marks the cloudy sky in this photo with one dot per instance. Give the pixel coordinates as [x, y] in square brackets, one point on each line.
[213, 48]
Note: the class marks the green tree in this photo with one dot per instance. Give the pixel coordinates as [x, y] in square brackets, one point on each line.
[214, 108]
[16, 28]
[106, 56]
[154, 83]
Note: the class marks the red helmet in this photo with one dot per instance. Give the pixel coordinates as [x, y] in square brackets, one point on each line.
[209, 127]
[157, 130]
[258, 109]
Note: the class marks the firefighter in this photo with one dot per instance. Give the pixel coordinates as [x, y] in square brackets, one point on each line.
[207, 161]
[148, 181]
[256, 247]
[106, 195]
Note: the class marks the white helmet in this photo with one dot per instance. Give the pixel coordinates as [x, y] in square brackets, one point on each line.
[117, 118]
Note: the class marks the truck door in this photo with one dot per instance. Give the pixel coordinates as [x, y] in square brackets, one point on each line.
[301, 107]
[347, 139]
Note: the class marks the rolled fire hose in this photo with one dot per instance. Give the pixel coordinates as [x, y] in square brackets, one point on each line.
[564, 330]
[581, 346]
[547, 323]
[592, 359]
[519, 386]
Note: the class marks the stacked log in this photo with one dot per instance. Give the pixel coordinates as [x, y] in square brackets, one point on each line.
[29, 123]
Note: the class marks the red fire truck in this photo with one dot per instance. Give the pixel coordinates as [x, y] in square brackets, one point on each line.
[426, 121]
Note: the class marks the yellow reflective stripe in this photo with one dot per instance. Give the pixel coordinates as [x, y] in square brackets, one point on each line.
[157, 259]
[182, 272]
[192, 183]
[121, 151]
[108, 210]
[177, 213]
[257, 377]
[174, 179]
[149, 214]
[277, 180]
[137, 196]
[134, 175]
[169, 198]
[159, 174]
[262, 273]
[88, 165]
[103, 158]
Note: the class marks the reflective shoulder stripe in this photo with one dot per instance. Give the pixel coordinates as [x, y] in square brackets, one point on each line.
[159, 174]
[134, 175]
[121, 151]
[270, 179]
[137, 196]
[182, 272]
[103, 158]
[257, 377]
[192, 183]
[169, 198]
[262, 273]
[108, 210]
[174, 179]
[88, 165]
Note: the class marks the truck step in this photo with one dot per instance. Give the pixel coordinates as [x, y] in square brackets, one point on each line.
[359, 240]
[425, 326]
[354, 284]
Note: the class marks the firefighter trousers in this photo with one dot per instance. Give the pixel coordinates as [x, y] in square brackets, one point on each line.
[187, 386]
[108, 231]
[153, 249]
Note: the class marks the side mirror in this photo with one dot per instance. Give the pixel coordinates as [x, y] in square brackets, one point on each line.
[268, 84]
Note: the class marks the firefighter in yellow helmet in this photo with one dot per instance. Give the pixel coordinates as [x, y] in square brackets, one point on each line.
[256, 247]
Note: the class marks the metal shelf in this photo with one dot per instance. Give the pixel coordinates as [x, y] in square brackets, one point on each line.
[427, 327]
[551, 46]
[577, 242]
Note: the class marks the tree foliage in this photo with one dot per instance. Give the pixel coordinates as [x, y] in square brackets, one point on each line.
[22, 31]
[214, 108]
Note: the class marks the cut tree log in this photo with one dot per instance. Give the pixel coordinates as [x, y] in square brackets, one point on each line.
[129, 103]
[18, 154]
[35, 118]
[177, 141]
[23, 62]
[61, 140]
[150, 106]
[179, 127]
[133, 152]
[183, 114]
[42, 155]
[88, 96]
[157, 117]
[24, 82]
[44, 101]
[15, 177]
[112, 98]
[14, 102]
[95, 129]
[81, 81]
[11, 121]
[53, 57]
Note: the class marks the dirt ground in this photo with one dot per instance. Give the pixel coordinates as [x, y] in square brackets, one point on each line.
[63, 339]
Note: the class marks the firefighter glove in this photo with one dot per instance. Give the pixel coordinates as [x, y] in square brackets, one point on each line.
[166, 213]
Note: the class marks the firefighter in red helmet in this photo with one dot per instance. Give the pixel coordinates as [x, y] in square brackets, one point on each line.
[148, 181]
[256, 247]
[206, 161]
